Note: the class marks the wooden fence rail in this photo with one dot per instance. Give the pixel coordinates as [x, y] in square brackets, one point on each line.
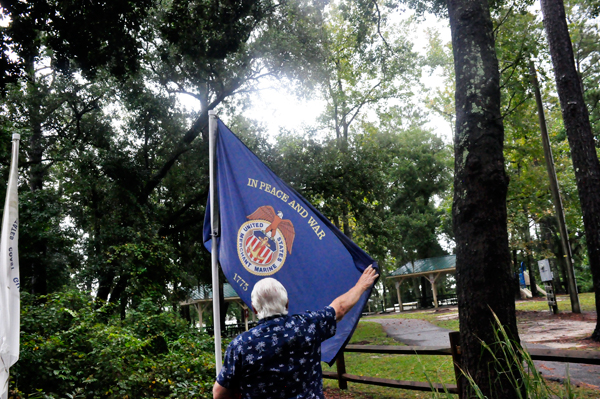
[552, 355]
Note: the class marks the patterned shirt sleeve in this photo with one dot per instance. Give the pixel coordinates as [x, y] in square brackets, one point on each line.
[324, 321]
[227, 378]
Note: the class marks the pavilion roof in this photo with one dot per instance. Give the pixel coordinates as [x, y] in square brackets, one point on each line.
[205, 292]
[424, 266]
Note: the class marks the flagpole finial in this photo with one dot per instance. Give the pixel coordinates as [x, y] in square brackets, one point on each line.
[16, 136]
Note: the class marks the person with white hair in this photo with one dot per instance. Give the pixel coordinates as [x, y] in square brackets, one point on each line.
[281, 356]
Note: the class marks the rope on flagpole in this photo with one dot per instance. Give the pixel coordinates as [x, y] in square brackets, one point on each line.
[214, 228]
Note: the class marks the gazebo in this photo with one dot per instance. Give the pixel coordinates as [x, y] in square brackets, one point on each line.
[201, 299]
[430, 268]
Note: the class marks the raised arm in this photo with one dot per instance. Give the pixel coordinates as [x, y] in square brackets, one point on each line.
[343, 303]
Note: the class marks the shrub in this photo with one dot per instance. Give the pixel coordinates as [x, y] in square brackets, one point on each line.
[71, 348]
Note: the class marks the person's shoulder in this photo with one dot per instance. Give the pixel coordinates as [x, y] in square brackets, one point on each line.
[247, 336]
[326, 312]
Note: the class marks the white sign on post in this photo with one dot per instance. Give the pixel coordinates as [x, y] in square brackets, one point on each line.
[545, 270]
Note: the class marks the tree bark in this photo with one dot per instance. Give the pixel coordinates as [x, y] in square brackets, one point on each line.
[529, 248]
[36, 176]
[223, 306]
[577, 124]
[423, 298]
[483, 272]
[105, 282]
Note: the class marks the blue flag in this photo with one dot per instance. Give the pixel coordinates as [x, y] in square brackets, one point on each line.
[268, 230]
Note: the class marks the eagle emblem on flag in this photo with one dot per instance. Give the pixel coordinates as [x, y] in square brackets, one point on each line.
[265, 240]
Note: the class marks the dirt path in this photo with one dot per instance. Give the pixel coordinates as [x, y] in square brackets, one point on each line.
[562, 331]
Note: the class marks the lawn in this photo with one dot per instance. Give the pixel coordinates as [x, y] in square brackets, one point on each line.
[398, 367]
[422, 368]
[586, 302]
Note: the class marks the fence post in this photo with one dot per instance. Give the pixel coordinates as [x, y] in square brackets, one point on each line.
[340, 364]
[455, 350]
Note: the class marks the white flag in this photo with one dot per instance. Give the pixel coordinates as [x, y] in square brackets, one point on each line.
[9, 274]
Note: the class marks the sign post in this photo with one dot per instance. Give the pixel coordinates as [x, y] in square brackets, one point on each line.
[547, 278]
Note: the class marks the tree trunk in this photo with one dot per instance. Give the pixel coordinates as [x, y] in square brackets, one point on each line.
[483, 273]
[346, 221]
[223, 306]
[529, 249]
[184, 312]
[416, 291]
[577, 124]
[105, 283]
[36, 176]
[119, 296]
[424, 284]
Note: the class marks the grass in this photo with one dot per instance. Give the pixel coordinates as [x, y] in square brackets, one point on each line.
[586, 303]
[397, 367]
[419, 368]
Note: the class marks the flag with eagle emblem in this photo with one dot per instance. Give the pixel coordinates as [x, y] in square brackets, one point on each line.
[268, 230]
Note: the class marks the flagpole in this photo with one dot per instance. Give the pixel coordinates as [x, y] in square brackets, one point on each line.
[214, 228]
[9, 274]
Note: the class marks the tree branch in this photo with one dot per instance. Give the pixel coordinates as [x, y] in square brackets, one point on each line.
[173, 217]
[379, 25]
[183, 146]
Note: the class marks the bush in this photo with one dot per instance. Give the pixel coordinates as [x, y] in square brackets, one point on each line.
[70, 348]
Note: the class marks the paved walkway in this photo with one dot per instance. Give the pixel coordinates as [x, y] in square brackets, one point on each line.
[416, 332]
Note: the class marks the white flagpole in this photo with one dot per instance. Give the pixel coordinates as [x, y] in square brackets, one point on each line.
[214, 228]
[9, 274]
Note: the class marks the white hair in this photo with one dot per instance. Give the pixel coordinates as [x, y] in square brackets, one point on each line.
[269, 298]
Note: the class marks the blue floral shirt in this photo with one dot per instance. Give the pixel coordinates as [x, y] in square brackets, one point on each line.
[280, 357]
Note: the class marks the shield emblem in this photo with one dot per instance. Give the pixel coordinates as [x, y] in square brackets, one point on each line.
[260, 248]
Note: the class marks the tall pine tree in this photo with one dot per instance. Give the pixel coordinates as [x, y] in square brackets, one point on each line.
[483, 272]
[581, 140]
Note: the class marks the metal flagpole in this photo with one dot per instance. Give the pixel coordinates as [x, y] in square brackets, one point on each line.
[214, 228]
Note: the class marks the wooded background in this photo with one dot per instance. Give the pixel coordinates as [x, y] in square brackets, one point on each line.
[114, 161]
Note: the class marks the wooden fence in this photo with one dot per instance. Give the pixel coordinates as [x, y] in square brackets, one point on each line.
[546, 354]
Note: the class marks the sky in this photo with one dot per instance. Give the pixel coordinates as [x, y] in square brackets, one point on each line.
[278, 108]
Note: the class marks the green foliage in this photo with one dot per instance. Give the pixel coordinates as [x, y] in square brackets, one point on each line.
[439, 59]
[116, 163]
[532, 226]
[70, 346]
[417, 171]
[386, 181]
[92, 36]
[533, 232]
[41, 214]
[367, 63]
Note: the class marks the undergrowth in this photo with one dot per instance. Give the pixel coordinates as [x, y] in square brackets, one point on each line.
[71, 348]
